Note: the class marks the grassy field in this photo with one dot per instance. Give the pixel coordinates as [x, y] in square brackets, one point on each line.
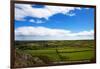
[34, 53]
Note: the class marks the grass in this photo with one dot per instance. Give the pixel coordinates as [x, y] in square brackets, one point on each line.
[49, 52]
[69, 53]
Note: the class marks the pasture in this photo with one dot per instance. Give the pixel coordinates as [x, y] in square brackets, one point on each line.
[34, 53]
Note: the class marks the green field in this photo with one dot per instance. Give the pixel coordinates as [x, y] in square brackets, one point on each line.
[34, 53]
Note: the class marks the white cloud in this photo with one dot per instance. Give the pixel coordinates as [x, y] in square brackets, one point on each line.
[32, 20]
[40, 31]
[36, 21]
[39, 21]
[73, 14]
[43, 33]
[23, 10]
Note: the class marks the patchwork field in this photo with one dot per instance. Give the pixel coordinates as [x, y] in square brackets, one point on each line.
[35, 53]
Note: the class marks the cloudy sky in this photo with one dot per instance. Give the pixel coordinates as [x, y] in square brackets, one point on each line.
[43, 22]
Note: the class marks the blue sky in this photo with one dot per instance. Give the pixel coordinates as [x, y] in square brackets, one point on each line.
[73, 22]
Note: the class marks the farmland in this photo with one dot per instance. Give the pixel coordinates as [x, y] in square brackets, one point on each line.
[35, 53]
